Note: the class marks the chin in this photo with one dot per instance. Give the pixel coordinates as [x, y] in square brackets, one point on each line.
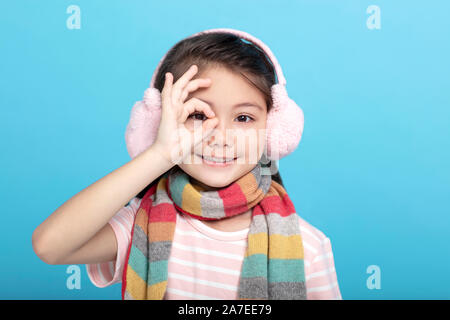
[216, 178]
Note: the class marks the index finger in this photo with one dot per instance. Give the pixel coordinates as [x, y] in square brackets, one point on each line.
[184, 80]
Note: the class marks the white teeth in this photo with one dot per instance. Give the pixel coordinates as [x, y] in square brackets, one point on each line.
[217, 159]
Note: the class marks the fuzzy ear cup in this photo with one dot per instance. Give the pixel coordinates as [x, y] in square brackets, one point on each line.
[285, 123]
[142, 128]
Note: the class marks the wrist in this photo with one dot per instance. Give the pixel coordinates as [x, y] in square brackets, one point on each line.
[160, 155]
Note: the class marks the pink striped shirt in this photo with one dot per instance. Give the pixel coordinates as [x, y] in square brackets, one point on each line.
[205, 263]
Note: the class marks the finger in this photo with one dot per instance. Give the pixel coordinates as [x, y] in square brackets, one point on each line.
[194, 85]
[203, 129]
[193, 105]
[181, 83]
[207, 128]
[167, 89]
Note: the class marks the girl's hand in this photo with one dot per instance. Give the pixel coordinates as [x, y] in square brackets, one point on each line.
[173, 139]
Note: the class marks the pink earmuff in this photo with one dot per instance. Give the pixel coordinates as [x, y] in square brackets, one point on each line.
[285, 120]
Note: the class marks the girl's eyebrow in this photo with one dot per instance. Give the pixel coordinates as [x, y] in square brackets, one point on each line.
[242, 104]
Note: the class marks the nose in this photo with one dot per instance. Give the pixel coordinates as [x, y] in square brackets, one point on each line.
[221, 137]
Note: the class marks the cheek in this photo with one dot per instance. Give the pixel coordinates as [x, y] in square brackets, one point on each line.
[253, 142]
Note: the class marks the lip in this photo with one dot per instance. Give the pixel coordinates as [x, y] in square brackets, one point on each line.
[217, 164]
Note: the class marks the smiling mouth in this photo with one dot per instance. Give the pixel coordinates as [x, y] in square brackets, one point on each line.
[217, 160]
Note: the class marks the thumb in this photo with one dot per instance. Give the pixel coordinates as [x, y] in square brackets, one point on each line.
[208, 127]
[203, 129]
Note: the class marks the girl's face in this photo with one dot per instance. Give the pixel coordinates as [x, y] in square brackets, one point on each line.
[242, 111]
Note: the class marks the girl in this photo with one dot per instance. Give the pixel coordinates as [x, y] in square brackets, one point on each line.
[206, 224]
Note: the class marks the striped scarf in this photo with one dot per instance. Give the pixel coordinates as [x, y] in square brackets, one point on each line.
[273, 265]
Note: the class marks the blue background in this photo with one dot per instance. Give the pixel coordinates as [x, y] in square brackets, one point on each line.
[372, 168]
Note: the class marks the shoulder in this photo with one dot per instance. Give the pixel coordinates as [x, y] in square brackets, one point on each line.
[320, 271]
[131, 207]
[316, 243]
[311, 232]
[125, 216]
[134, 203]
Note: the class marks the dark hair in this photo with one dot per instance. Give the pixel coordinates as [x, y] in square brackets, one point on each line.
[219, 49]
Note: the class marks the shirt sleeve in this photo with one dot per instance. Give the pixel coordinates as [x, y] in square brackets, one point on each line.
[322, 283]
[104, 274]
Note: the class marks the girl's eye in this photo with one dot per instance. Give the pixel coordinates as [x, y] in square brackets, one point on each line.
[198, 116]
[243, 117]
